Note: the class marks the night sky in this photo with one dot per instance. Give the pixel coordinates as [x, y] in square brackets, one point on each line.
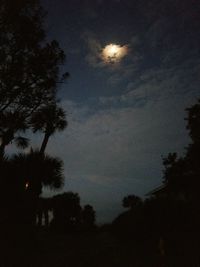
[123, 116]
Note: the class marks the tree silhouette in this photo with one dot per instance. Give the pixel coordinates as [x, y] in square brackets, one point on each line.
[181, 174]
[48, 120]
[66, 211]
[29, 66]
[38, 170]
[24, 176]
[9, 124]
[193, 122]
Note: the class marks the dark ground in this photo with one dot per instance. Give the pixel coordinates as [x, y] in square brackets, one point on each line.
[65, 250]
[97, 249]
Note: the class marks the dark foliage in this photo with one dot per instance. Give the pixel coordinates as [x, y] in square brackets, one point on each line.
[131, 201]
[181, 174]
[48, 120]
[66, 212]
[22, 179]
[29, 67]
[38, 170]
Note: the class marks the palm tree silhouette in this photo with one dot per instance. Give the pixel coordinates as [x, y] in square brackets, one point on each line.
[48, 120]
[38, 170]
[30, 173]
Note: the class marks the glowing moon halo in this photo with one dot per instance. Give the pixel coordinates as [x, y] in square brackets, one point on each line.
[114, 53]
[112, 50]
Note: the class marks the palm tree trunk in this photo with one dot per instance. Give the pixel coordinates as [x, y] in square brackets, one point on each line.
[44, 143]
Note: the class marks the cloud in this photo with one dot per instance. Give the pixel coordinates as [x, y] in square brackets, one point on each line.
[156, 84]
[97, 54]
[124, 72]
[94, 47]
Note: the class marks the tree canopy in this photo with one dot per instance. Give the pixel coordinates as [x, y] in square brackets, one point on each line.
[181, 174]
[29, 66]
[29, 78]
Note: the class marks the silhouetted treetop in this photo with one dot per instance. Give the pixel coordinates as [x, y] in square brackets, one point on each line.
[48, 120]
[37, 170]
[193, 122]
[29, 66]
[181, 174]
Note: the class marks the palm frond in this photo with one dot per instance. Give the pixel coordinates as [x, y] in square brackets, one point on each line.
[21, 142]
[49, 119]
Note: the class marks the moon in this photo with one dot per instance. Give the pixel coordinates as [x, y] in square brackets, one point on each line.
[113, 53]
